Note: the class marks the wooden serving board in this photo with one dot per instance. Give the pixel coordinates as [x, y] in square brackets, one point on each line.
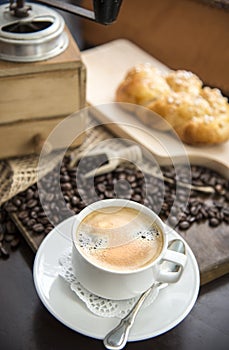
[106, 66]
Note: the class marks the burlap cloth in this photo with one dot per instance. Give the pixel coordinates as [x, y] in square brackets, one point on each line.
[17, 174]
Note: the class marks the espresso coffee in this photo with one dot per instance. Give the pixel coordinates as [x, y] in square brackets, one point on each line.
[119, 238]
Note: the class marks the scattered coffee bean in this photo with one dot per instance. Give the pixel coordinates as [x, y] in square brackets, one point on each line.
[64, 178]
[3, 251]
[30, 223]
[33, 214]
[184, 225]
[32, 203]
[15, 243]
[194, 210]
[124, 182]
[17, 202]
[29, 194]
[10, 227]
[214, 222]
[173, 221]
[74, 200]
[8, 237]
[38, 228]
[23, 214]
[8, 233]
[66, 186]
[101, 187]
[11, 208]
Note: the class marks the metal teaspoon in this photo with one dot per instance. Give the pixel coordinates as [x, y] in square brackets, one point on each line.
[117, 338]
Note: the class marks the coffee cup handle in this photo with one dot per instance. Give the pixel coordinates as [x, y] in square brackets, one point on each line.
[173, 272]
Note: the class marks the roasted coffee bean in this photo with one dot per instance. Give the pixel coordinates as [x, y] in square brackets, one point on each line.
[38, 228]
[134, 184]
[139, 190]
[108, 194]
[204, 212]
[11, 208]
[173, 221]
[49, 197]
[131, 178]
[184, 225]
[10, 227]
[195, 174]
[47, 230]
[199, 217]
[191, 219]
[194, 210]
[66, 198]
[139, 175]
[212, 212]
[136, 197]
[8, 237]
[66, 186]
[122, 176]
[31, 222]
[33, 214]
[23, 207]
[3, 251]
[182, 216]
[17, 202]
[41, 214]
[15, 242]
[43, 221]
[75, 200]
[219, 188]
[101, 187]
[23, 214]
[36, 209]
[214, 222]
[29, 194]
[24, 221]
[64, 178]
[100, 178]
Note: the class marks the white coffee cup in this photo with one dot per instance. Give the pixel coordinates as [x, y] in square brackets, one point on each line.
[124, 283]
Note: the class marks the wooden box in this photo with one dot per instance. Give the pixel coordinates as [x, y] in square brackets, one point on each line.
[35, 97]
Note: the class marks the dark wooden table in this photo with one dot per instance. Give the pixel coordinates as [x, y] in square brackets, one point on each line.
[26, 324]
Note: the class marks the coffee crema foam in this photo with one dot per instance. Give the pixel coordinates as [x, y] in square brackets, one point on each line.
[119, 238]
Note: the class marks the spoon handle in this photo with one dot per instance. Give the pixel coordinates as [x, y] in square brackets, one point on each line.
[117, 337]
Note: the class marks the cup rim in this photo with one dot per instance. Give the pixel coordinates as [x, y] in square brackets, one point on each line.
[118, 202]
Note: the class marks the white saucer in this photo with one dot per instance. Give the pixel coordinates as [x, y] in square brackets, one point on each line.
[171, 306]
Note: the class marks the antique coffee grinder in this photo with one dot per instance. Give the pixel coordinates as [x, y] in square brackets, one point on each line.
[42, 77]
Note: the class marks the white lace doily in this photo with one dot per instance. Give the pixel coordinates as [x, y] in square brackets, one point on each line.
[97, 305]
